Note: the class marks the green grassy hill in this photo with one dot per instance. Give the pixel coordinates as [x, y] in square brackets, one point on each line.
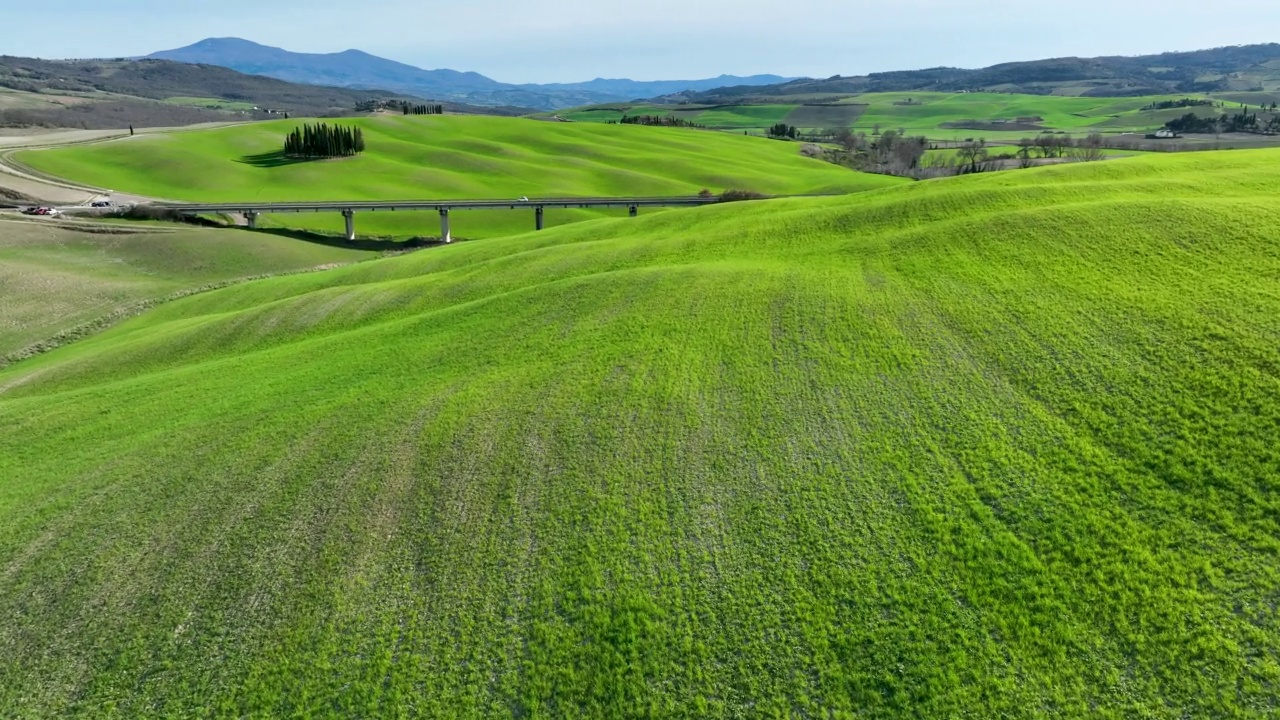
[993, 446]
[56, 278]
[450, 157]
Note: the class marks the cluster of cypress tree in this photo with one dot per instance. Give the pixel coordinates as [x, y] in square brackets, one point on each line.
[784, 131]
[422, 109]
[324, 141]
[659, 121]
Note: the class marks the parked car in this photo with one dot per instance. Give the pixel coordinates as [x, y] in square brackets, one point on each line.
[100, 204]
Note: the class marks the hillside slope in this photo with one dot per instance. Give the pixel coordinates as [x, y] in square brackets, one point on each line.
[58, 277]
[1227, 69]
[450, 157]
[997, 446]
[91, 94]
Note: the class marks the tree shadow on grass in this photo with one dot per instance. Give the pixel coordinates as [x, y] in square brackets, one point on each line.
[273, 159]
[371, 245]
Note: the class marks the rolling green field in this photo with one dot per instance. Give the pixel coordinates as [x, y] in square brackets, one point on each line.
[449, 157]
[929, 113]
[56, 278]
[1004, 445]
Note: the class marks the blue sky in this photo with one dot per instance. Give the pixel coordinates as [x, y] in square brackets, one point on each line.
[572, 40]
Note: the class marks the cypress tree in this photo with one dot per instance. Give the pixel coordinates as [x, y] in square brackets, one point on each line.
[321, 140]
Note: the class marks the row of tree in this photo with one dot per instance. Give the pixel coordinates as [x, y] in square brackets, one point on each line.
[422, 109]
[1241, 122]
[658, 121]
[399, 105]
[1051, 145]
[896, 153]
[324, 141]
[1183, 103]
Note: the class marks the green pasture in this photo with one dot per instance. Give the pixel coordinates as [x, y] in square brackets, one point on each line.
[726, 117]
[991, 446]
[823, 116]
[57, 278]
[1072, 114]
[210, 103]
[449, 157]
[743, 117]
[929, 113]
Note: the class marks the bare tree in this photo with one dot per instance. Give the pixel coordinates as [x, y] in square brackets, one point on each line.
[1089, 149]
[972, 154]
[935, 166]
[843, 137]
[1025, 147]
[1044, 143]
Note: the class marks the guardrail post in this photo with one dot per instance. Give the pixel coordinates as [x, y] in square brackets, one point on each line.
[445, 235]
[251, 218]
[350, 217]
[633, 211]
[539, 219]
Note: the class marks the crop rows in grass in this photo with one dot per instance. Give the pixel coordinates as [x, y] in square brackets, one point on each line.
[1000, 446]
[56, 278]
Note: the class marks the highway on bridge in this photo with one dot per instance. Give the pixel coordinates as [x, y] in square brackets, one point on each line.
[251, 210]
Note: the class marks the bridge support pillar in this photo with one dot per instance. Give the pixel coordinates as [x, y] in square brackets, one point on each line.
[252, 218]
[539, 218]
[633, 211]
[446, 236]
[350, 217]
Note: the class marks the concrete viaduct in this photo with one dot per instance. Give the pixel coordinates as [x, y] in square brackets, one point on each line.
[251, 211]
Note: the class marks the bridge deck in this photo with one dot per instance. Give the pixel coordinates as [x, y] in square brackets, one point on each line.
[407, 205]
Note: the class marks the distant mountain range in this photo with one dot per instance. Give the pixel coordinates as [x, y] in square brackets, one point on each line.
[99, 94]
[357, 69]
[1243, 68]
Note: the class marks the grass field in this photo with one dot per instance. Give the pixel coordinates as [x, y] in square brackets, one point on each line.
[18, 100]
[992, 446]
[449, 157]
[929, 113]
[210, 103]
[54, 278]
